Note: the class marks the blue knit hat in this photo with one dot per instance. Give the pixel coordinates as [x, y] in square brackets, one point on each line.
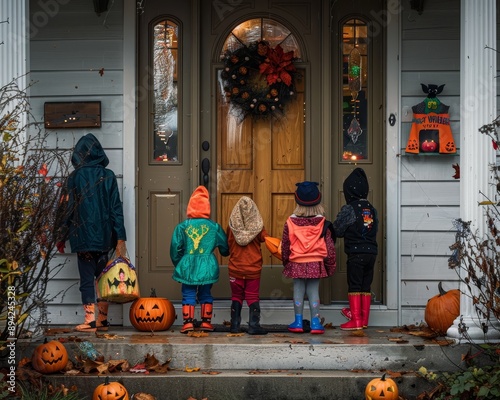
[307, 193]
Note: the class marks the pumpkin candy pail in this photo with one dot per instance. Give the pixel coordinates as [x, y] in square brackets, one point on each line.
[118, 281]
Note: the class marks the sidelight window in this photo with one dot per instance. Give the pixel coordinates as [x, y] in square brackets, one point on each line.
[165, 115]
[355, 82]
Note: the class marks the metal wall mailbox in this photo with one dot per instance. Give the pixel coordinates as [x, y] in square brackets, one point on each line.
[76, 114]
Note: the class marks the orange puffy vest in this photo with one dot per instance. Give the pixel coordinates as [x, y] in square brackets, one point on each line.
[306, 243]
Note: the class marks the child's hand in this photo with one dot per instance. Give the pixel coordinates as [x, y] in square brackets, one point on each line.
[121, 249]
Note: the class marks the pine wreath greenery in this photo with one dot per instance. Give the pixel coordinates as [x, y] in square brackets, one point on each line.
[259, 80]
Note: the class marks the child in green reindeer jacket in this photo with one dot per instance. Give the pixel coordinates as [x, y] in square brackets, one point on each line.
[192, 252]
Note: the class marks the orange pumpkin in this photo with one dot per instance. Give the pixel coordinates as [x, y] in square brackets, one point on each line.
[442, 309]
[110, 390]
[382, 389]
[49, 357]
[274, 246]
[152, 313]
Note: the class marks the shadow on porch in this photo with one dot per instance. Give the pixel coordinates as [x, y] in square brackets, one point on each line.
[280, 365]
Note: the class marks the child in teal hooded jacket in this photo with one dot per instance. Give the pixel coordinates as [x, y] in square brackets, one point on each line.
[192, 252]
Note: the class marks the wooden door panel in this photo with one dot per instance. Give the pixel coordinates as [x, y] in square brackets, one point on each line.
[262, 159]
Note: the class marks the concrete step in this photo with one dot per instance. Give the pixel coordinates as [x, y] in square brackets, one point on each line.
[279, 365]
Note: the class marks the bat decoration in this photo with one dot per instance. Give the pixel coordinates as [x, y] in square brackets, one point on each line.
[457, 171]
[432, 90]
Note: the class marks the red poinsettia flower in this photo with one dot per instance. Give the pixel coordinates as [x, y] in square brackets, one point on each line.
[277, 66]
[495, 144]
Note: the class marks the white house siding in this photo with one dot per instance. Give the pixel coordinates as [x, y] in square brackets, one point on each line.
[430, 196]
[76, 55]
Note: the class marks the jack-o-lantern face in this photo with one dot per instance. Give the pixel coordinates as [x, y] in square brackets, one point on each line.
[118, 282]
[381, 389]
[152, 313]
[49, 357]
[110, 391]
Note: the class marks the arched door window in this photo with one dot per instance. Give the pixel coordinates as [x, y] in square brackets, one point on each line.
[256, 29]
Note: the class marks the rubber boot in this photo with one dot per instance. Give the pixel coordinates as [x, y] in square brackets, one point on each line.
[296, 326]
[254, 327]
[346, 312]
[188, 318]
[102, 317]
[366, 300]
[89, 325]
[235, 316]
[206, 317]
[355, 322]
[316, 327]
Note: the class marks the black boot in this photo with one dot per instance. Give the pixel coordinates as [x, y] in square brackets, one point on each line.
[235, 316]
[254, 327]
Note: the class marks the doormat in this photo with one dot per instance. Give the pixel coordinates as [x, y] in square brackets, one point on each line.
[274, 328]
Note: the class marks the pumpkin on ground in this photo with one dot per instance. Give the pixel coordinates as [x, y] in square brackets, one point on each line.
[382, 389]
[442, 309]
[110, 390]
[49, 357]
[152, 314]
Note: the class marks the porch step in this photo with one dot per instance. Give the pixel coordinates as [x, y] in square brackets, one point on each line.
[243, 385]
[280, 365]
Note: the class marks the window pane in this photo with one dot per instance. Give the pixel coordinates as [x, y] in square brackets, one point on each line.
[257, 29]
[355, 139]
[165, 101]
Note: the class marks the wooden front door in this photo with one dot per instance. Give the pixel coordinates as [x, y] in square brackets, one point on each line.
[262, 159]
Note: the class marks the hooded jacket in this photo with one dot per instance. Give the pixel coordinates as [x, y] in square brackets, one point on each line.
[94, 216]
[357, 221]
[245, 234]
[194, 241]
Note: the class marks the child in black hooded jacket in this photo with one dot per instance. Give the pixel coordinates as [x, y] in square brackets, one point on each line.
[357, 223]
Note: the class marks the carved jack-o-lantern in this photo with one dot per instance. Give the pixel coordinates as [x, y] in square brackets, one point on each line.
[381, 389]
[152, 313]
[118, 281]
[110, 391]
[49, 357]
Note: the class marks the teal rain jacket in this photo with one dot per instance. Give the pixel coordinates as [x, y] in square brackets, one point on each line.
[94, 214]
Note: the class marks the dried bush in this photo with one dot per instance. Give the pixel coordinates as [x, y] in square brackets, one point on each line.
[475, 257]
[31, 176]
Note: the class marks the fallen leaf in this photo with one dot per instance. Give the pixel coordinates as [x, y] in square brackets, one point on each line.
[397, 340]
[211, 372]
[358, 332]
[235, 334]
[197, 334]
[194, 369]
[299, 341]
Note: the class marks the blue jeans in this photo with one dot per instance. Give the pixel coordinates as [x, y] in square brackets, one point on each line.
[202, 293]
[90, 266]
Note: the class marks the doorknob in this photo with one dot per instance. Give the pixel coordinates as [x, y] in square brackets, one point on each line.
[205, 168]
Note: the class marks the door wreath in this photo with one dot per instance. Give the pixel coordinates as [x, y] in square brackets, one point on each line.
[259, 80]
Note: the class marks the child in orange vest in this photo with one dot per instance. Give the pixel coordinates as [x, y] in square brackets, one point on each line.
[308, 253]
